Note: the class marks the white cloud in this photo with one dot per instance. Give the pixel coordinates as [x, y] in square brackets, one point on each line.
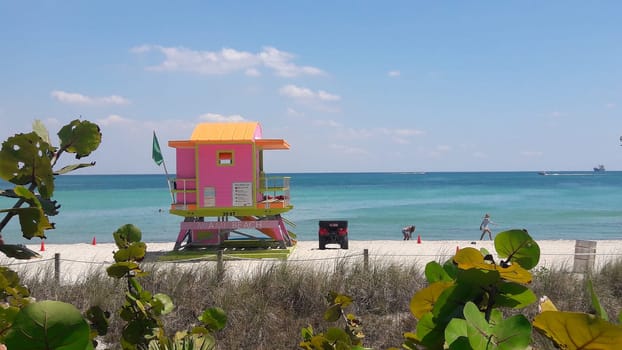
[305, 94]
[114, 119]
[394, 73]
[293, 112]
[280, 62]
[610, 105]
[330, 123]
[76, 98]
[213, 117]
[252, 72]
[226, 61]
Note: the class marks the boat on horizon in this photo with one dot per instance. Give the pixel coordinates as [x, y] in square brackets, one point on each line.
[599, 169]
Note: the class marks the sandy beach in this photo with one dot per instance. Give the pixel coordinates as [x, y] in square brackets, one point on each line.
[79, 260]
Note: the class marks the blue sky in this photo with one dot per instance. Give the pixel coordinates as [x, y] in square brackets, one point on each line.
[351, 85]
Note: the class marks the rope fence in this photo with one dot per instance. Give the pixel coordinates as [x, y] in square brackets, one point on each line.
[584, 259]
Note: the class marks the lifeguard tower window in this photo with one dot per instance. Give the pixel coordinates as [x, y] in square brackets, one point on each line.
[225, 158]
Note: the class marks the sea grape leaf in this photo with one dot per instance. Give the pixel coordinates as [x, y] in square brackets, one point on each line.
[478, 329]
[576, 330]
[80, 137]
[468, 258]
[121, 269]
[514, 295]
[24, 159]
[478, 278]
[32, 220]
[215, 318]
[333, 313]
[337, 335]
[545, 304]
[135, 252]
[511, 333]
[423, 301]
[127, 234]
[49, 324]
[430, 334]
[456, 334]
[70, 168]
[39, 128]
[519, 247]
[600, 311]
[98, 319]
[163, 303]
[434, 272]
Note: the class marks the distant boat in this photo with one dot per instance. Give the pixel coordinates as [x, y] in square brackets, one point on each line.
[543, 173]
[599, 169]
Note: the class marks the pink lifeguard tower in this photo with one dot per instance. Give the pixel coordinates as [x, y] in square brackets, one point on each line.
[223, 193]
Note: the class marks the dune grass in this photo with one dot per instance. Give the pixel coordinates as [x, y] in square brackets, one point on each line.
[267, 309]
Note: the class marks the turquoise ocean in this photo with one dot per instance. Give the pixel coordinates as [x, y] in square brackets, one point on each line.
[443, 206]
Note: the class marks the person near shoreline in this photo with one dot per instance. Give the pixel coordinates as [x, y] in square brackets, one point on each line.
[484, 227]
[408, 232]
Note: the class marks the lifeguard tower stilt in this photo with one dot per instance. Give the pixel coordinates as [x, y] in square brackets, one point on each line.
[222, 191]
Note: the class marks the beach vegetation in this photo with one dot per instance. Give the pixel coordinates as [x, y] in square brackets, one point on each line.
[142, 310]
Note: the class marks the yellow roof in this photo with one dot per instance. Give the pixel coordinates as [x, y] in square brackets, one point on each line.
[224, 131]
[219, 132]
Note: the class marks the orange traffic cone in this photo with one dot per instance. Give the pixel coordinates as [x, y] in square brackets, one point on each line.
[94, 241]
[42, 246]
[419, 239]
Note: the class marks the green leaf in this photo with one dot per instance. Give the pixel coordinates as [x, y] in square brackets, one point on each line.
[39, 128]
[25, 159]
[456, 334]
[514, 295]
[429, 334]
[166, 303]
[434, 272]
[512, 333]
[98, 319]
[509, 334]
[519, 247]
[215, 318]
[127, 234]
[600, 311]
[80, 137]
[333, 313]
[306, 333]
[335, 335]
[478, 329]
[32, 220]
[121, 269]
[70, 168]
[49, 325]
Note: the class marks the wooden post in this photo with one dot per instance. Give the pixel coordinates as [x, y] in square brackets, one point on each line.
[57, 267]
[220, 266]
[585, 255]
[366, 259]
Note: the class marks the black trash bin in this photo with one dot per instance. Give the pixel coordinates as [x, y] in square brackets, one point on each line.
[333, 232]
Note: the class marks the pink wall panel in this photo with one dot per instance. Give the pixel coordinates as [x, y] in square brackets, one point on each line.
[185, 163]
[222, 177]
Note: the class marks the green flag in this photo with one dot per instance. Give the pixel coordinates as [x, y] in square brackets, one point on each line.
[156, 154]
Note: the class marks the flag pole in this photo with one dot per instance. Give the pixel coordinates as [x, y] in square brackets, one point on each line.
[159, 159]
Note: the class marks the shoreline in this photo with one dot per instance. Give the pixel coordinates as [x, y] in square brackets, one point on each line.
[79, 260]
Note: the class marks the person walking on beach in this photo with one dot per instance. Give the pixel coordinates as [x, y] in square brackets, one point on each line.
[484, 227]
[408, 232]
